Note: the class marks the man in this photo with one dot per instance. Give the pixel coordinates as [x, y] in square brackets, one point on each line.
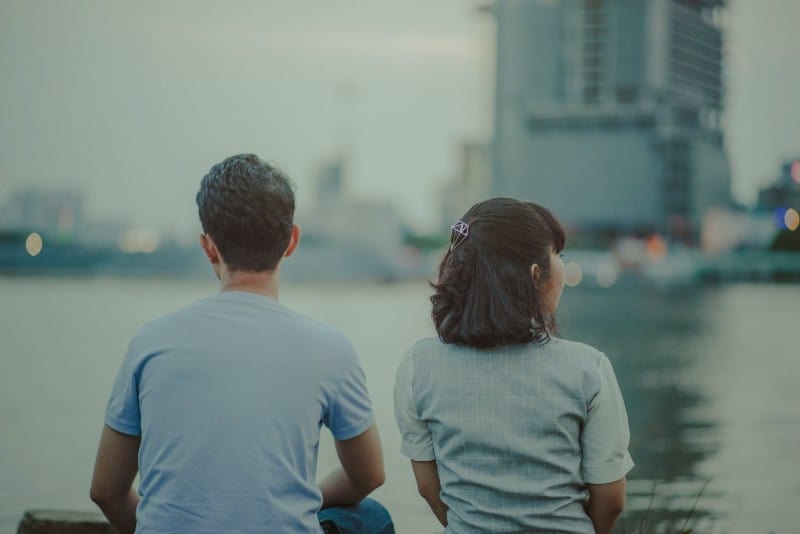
[219, 405]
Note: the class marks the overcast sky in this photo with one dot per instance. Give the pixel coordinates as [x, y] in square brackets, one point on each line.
[134, 101]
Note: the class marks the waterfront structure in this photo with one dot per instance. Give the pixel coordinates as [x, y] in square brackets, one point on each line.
[610, 111]
[785, 192]
[54, 212]
[336, 217]
[345, 237]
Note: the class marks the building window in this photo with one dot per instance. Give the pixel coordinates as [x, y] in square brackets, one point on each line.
[626, 93]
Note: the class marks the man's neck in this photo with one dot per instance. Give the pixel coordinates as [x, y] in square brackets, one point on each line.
[261, 283]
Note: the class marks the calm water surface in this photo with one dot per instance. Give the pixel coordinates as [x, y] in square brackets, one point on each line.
[710, 378]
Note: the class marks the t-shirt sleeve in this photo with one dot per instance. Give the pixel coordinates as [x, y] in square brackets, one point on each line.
[349, 413]
[605, 437]
[122, 411]
[416, 440]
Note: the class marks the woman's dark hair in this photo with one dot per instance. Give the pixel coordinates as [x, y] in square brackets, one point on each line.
[485, 295]
[247, 207]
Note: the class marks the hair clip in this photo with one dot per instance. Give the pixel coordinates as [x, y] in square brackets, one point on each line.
[460, 231]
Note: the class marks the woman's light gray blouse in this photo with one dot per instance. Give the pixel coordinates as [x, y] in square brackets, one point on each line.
[516, 432]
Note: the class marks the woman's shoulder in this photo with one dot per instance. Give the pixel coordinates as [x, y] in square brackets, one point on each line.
[425, 348]
[577, 351]
[426, 344]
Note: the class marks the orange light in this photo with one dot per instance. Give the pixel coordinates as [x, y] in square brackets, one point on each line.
[656, 246]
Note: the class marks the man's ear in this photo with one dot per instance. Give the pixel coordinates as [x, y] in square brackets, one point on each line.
[294, 240]
[210, 248]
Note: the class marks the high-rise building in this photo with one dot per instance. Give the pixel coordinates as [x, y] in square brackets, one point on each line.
[610, 111]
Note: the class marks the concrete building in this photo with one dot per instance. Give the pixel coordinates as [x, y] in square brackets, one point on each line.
[609, 112]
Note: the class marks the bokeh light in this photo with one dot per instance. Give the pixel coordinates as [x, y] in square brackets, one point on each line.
[606, 274]
[33, 244]
[780, 217]
[656, 247]
[573, 273]
[144, 241]
[791, 219]
[794, 170]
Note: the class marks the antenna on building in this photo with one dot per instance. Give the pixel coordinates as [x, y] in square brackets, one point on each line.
[345, 127]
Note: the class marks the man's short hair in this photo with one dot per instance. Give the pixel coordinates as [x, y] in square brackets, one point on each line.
[247, 207]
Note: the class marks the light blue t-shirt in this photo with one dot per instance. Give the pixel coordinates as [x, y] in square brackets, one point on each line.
[229, 395]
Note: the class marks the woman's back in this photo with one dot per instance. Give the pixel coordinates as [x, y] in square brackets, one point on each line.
[506, 427]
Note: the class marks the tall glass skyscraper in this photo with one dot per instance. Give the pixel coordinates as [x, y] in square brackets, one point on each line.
[610, 111]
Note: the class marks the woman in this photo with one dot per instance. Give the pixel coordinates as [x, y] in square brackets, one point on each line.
[508, 428]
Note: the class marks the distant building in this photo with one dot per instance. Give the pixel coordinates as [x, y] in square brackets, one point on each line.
[56, 213]
[609, 111]
[785, 192]
[330, 181]
[471, 184]
[371, 224]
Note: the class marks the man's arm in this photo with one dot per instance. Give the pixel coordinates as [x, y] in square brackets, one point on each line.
[114, 470]
[606, 502]
[361, 471]
[429, 487]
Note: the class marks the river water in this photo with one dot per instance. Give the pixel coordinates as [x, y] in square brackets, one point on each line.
[710, 377]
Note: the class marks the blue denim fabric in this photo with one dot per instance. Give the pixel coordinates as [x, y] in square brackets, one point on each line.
[367, 517]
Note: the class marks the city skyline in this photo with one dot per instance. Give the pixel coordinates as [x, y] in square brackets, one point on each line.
[133, 103]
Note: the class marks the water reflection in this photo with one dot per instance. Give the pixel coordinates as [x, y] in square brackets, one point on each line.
[655, 342]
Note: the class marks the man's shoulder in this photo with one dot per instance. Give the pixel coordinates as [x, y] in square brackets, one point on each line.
[169, 321]
[282, 325]
[318, 332]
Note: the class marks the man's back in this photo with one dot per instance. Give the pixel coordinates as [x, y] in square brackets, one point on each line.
[229, 395]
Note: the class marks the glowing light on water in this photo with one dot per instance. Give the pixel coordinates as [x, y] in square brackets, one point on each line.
[145, 241]
[791, 219]
[573, 273]
[606, 275]
[33, 244]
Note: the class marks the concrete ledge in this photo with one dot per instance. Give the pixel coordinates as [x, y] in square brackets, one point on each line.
[64, 522]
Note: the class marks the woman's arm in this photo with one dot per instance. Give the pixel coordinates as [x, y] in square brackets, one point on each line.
[605, 504]
[429, 487]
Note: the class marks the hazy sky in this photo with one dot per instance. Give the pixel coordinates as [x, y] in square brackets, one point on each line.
[134, 101]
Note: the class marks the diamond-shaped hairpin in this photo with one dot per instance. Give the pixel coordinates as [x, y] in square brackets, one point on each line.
[460, 232]
[460, 227]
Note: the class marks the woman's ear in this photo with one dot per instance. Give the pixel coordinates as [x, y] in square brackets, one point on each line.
[536, 272]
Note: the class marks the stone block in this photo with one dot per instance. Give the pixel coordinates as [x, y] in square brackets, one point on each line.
[64, 522]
